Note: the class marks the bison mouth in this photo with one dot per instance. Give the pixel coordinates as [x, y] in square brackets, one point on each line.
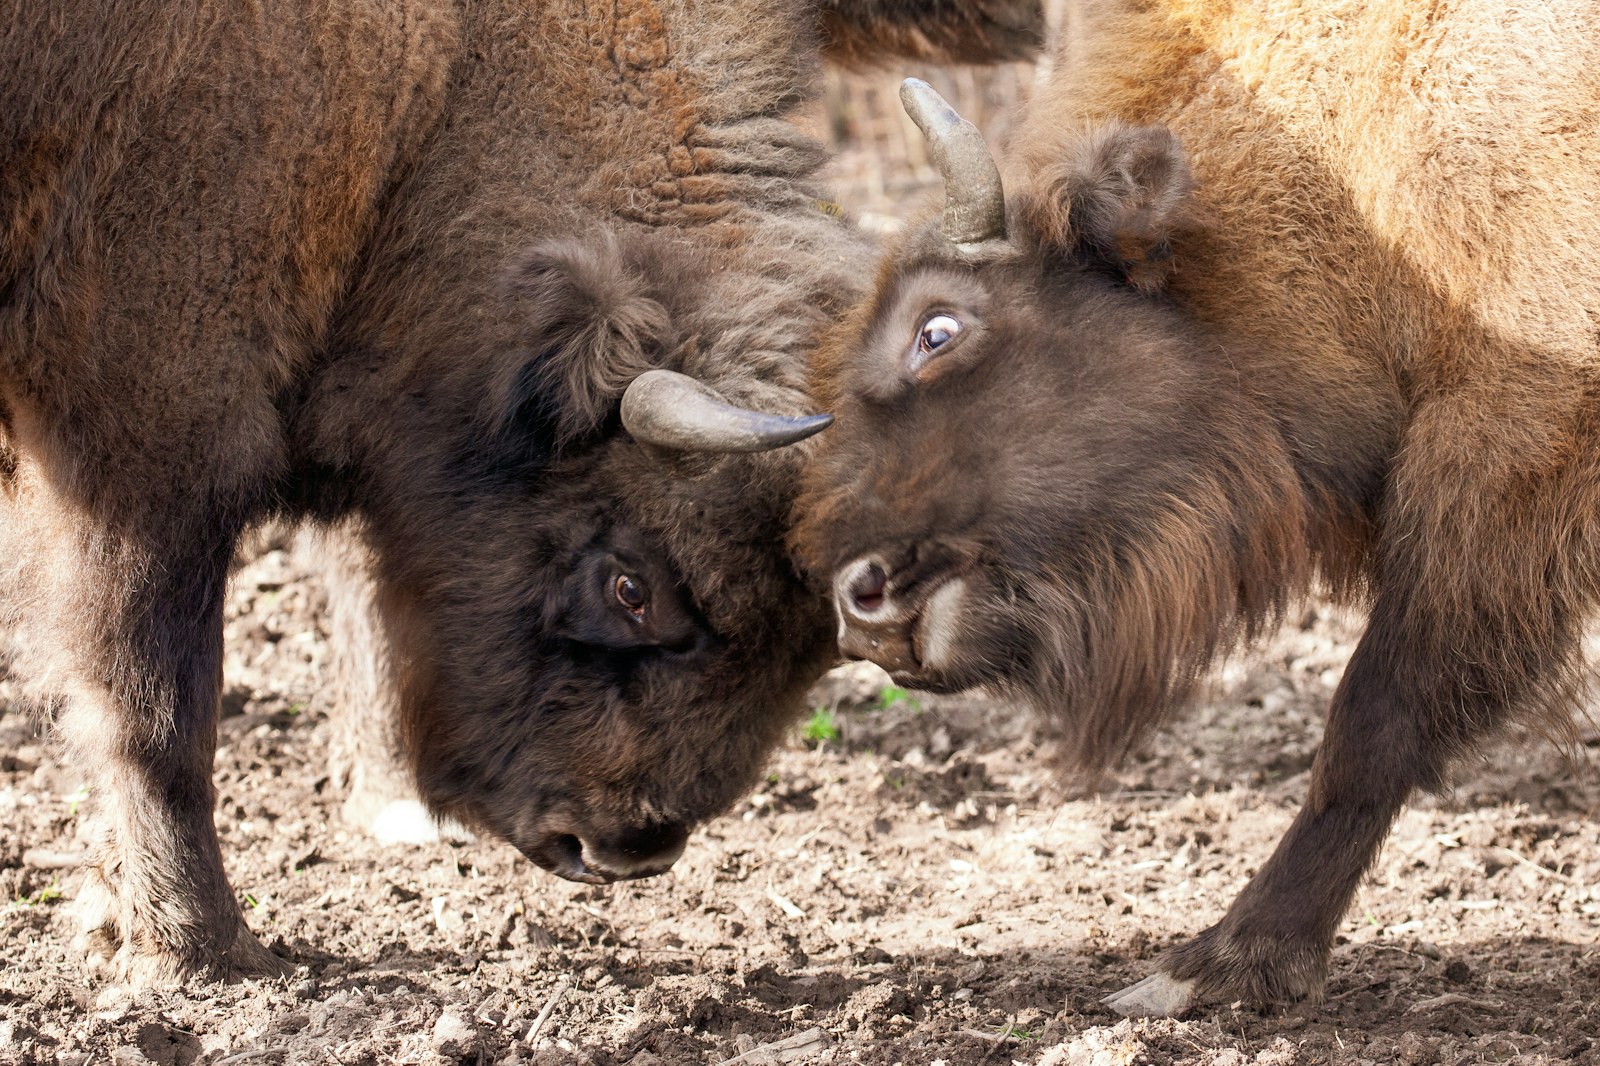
[910, 628]
[626, 856]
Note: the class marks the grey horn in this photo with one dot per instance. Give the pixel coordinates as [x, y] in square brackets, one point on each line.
[672, 410]
[974, 201]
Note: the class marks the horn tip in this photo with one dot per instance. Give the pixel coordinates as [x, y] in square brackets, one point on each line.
[797, 430]
[917, 96]
[814, 424]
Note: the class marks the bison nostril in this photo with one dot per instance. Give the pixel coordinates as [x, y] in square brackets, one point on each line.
[568, 848]
[867, 588]
[639, 851]
[651, 844]
[562, 855]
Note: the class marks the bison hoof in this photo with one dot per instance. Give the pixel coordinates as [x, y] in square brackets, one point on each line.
[132, 963]
[1223, 965]
[128, 970]
[1157, 996]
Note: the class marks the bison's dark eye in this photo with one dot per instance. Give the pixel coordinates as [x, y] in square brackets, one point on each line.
[935, 333]
[630, 593]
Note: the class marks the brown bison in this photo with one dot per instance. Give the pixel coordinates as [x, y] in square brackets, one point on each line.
[394, 266]
[1094, 433]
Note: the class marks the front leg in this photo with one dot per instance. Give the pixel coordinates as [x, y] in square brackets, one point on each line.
[140, 619]
[1477, 618]
[1272, 946]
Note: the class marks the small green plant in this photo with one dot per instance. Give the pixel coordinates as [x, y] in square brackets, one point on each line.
[889, 695]
[821, 727]
[48, 894]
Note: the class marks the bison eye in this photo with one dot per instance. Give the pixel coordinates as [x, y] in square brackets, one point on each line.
[935, 333]
[630, 593]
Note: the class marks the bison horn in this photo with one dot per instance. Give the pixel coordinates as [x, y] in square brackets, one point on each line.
[672, 410]
[974, 201]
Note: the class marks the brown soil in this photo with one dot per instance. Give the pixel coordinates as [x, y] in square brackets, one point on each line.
[920, 889]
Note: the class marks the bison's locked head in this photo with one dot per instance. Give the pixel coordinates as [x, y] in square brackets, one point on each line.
[615, 635]
[1036, 481]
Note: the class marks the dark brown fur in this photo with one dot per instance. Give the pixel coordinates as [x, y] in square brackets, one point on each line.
[1372, 363]
[388, 266]
[867, 32]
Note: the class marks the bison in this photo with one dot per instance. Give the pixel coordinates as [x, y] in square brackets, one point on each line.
[515, 295]
[1095, 432]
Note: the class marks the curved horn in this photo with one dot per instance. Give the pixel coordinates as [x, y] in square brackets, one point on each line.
[672, 410]
[974, 201]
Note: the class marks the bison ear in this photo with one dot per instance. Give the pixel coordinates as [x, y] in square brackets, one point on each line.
[591, 327]
[1117, 194]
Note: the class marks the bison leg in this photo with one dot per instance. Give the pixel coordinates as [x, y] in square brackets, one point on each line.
[141, 623]
[1476, 617]
[368, 754]
[1272, 945]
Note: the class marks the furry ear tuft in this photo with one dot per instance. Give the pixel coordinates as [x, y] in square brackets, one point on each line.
[1118, 193]
[593, 327]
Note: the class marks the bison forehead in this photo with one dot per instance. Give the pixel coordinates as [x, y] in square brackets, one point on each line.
[722, 523]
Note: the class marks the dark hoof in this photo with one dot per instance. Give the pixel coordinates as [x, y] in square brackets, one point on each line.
[1220, 967]
[128, 968]
[247, 959]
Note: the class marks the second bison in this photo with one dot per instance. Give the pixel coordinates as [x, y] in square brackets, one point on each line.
[1095, 432]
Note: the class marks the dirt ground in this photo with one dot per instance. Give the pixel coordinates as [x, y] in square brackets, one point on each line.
[918, 889]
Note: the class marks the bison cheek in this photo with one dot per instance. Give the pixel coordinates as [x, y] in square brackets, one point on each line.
[970, 635]
[940, 626]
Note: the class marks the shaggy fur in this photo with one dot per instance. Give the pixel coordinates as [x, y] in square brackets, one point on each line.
[1376, 363]
[388, 265]
[865, 32]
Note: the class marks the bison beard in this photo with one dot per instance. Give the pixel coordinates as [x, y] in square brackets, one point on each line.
[1085, 452]
[391, 267]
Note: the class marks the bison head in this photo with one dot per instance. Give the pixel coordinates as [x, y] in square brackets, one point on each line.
[1045, 478]
[600, 629]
